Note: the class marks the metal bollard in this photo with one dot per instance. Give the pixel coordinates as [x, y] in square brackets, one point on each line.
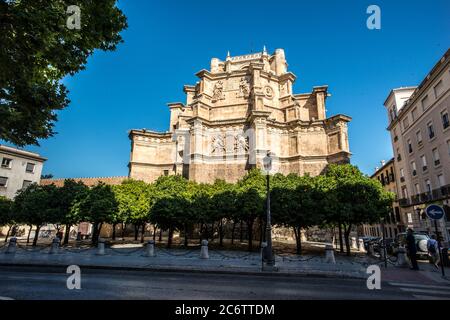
[401, 257]
[12, 245]
[354, 244]
[101, 247]
[329, 254]
[361, 246]
[204, 250]
[150, 249]
[55, 246]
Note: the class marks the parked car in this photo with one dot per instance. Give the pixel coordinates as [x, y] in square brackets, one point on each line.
[421, 244]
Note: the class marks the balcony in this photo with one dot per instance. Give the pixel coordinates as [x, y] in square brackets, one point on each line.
[433, 195]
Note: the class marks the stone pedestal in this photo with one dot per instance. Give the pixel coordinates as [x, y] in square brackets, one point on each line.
[370, 251]
[361, 246]
[329, 254]
[55, 246]
[204, 250]
[101, 247]
[12, 246]
[150, 249]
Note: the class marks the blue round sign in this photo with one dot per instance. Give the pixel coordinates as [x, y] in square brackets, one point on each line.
[434, 212]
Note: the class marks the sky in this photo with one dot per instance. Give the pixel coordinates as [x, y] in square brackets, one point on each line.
[167, 42]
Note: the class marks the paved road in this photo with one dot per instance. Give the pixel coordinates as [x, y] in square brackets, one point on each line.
[35, 283]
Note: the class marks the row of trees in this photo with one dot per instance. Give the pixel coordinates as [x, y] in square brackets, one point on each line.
[342, 198]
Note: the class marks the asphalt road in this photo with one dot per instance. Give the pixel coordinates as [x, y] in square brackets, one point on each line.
[50, 284]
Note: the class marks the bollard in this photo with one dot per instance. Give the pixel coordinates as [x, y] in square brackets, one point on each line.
[361, 246]
[370, 250]
[263, 248]
[329, 254]
[382, 253]
[204, 250]
[55, 246]
[12, 245]
[401, 257]
[101, 247]
[150, 249]
[354, 245]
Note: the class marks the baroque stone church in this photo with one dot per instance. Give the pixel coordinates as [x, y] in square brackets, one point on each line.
[239, 110]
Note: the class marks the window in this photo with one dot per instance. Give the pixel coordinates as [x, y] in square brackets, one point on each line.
[391, 113]
[414, 169]
[6, 163]
[417, 187]
[428, 185]
[399, 156]
[436, 157]
[3, 181]
[419, 137]
[438, 89]
[441, 180]
[26, 183]
[445, 121]
[405, 192]
[414, 114]
[410, 149]
[402, 175]
[166, 172]
[425, 102]
[30, 167]
[424, 162]
[430, 130]
[410, 220]
[448, 146]
[405, 123]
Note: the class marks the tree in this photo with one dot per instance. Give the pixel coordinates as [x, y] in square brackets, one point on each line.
[6, 214]
[224, 206]
[134, 199]
[97, 205]
[68, 194]
[295, 204]
[251, 195]
[37, 50]
[357, 199]
[36, 205]
[172, 203]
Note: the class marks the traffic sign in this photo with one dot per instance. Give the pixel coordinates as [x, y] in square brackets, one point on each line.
[434, 212]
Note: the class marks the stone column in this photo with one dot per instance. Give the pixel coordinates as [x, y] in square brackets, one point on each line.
[204, 250]
[101, 247]
[55, 246]
[150, 249]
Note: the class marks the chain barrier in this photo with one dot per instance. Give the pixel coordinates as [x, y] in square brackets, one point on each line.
[178, 255]
[128, 253]
[78, 250]
[298, 259]
[32, 249]
[232, 257]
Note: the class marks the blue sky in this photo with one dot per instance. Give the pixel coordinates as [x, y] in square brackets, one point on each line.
[167, 42]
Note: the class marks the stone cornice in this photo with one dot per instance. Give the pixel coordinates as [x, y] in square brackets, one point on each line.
[151, 134]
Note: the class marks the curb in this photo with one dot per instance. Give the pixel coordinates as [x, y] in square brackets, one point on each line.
[156, 268]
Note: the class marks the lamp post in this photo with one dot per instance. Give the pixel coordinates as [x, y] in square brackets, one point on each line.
[268, 253]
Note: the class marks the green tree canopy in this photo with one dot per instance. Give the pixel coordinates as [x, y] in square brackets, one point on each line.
[37, 50]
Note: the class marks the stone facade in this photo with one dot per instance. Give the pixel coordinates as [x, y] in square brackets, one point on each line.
[239, 110]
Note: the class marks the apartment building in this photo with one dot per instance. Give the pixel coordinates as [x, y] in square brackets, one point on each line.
[420, 133]
[18, 169]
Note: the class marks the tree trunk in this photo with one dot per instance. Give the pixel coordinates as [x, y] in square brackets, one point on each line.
[347, 238]
[154, 232]
[298, 239]
[114, 231]
[221, 233]
[36, 235]
[7, 233]
[160, 235]
[143, 233]
[124, 226]
[136, 231]
[66, 234]
[185, 236]
[250, 235]
[261, 232]
[241, 230]
[232, 232]
[341, 244]
[169, 240]
[29, 232]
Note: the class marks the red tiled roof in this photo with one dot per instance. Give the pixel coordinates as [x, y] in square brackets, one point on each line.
[87, 181]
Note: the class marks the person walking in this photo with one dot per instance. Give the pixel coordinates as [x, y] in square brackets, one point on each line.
[412, 249]
[433, 251]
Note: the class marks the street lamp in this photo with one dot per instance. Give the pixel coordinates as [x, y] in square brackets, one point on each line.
[268, 253]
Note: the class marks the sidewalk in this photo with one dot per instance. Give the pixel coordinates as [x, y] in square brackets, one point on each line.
[131, 257]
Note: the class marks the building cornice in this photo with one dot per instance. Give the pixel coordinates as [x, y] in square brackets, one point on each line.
[21, 153]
